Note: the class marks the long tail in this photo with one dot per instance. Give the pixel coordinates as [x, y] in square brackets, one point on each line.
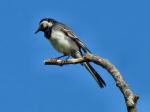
[96, 76]
[93, 72]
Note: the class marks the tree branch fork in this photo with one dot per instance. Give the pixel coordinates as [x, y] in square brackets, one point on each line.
[130, 98]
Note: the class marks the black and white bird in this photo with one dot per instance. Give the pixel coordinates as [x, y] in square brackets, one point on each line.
[64, 40]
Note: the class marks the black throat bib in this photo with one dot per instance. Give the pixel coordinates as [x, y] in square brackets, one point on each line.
[47, 33]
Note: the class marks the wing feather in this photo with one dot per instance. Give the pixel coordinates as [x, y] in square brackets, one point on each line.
[72, 35]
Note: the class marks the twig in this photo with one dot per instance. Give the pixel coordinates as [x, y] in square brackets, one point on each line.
[129, 96]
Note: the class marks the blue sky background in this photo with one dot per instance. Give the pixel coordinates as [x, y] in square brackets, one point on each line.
[117, 30]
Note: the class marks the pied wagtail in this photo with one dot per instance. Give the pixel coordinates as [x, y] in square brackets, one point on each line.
[65, 41]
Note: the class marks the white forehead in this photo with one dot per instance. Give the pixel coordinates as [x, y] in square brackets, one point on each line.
[46, 23]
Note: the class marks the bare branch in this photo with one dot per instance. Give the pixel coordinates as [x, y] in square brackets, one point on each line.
[129, 96]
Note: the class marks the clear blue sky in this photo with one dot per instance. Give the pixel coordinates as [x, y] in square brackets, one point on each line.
[114, 29]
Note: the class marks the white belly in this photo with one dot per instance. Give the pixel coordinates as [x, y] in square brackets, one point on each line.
[62, 43]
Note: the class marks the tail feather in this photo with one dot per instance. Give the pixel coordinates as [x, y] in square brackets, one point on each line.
[96, 76]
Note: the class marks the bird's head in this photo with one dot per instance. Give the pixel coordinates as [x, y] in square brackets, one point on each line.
[45, 24]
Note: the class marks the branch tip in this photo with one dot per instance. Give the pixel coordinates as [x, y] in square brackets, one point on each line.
[130, 98]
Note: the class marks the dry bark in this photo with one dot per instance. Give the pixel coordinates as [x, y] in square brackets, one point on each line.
[129, 96]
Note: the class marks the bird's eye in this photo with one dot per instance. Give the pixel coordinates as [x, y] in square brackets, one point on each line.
[43, 26]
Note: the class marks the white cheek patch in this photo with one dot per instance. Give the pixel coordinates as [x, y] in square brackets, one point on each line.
[50, 24]
[46, 23]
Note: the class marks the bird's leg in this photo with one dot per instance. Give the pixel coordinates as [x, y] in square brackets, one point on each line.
[60, 56]
[67, 57]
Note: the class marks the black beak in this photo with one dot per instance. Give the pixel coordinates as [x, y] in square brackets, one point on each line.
[37, 31]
